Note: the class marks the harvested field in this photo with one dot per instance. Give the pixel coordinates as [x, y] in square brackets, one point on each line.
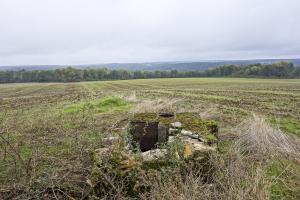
[49, 130]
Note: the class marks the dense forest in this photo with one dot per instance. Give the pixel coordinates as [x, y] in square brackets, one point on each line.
[70, 74]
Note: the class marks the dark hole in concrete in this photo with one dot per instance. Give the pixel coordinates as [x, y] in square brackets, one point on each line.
[145, 134]
[167, 114]
[149, 129]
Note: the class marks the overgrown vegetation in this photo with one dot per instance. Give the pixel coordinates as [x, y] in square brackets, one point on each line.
[48, 153]
[275, 70]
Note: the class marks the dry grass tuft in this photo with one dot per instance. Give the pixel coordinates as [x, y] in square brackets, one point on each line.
[260, 139]
[233, 178]
[155, 106]
[130, 97]
[237, 178]
[179, 188]
[209, 112]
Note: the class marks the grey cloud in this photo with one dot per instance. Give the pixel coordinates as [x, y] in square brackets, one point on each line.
[98, 31]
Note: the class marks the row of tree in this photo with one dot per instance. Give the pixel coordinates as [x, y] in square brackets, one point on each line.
[275, 70]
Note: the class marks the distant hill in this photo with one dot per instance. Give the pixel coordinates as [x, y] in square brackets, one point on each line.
[152, 66]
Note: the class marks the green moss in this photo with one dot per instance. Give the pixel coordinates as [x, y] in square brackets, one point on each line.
[190, 121]
[211, 138]
[149, 117]
[105, 105]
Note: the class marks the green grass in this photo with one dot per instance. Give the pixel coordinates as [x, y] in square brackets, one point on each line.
[104, 105]
[289, 125]
[283, 174]
[25, 152]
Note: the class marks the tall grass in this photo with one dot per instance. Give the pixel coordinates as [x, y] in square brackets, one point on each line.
[259, 139]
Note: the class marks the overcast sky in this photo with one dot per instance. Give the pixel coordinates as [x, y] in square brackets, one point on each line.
[104, 31]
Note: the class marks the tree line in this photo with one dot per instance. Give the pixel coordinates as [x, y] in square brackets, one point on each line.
[70, 74]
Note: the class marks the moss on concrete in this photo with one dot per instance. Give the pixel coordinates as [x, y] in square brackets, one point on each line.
[190, 121]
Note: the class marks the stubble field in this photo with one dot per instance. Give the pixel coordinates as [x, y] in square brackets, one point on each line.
[48, 130]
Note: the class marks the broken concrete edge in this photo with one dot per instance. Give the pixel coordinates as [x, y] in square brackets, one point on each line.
[190, 145]
[187, 137]
[154, 154]
[176, 125]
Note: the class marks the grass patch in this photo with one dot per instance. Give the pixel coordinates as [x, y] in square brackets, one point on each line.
[285, 176]
[289, 125]
[224, 146]
[26, 152]
[104, 105]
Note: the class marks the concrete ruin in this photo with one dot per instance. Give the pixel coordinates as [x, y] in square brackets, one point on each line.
[150, 130]
[154, 142]
[151, 133]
